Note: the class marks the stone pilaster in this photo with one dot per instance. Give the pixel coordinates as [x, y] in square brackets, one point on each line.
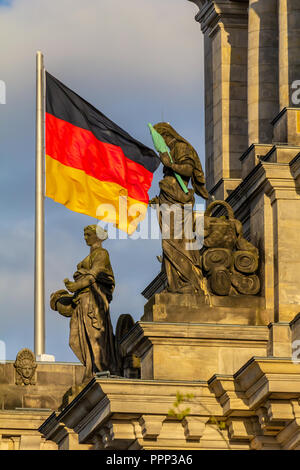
[289, 45]
[263, 103]
[225, 27]
[201, 349]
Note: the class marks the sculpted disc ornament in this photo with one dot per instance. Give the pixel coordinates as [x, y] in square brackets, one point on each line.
[229, 261]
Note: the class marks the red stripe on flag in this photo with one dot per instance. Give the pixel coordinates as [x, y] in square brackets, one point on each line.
[78, 148]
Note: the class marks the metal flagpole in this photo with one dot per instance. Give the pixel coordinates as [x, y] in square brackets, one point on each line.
[39, 282]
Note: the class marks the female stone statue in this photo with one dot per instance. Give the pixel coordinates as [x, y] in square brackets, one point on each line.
[181, 264]
[91, 334]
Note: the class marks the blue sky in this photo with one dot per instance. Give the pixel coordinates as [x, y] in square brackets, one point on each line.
[137, 62]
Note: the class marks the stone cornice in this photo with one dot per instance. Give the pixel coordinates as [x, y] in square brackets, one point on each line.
[143, 331]
[259, 404]
[222, 181]
[230, 13]
[262, 377]
[52, 429]
[262, 400]
[109, 407]
[264, 175]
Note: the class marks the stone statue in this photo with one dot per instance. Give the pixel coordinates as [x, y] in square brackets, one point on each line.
[25, 366]
[229, 261]
[180, 262]
[91, 334]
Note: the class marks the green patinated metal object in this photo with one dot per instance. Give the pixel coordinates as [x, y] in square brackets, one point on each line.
[161, 146]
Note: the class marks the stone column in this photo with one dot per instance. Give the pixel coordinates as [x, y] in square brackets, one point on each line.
[287, 123]
[289, 46]
[263, 105]
[225, 25]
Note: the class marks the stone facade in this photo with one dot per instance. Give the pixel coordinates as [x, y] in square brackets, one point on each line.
[251, 69]
[233, 360]
[224, 25]
[255, 406]
[24, 405]
[265, 194]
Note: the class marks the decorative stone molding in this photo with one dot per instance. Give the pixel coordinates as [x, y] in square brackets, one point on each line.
[194, 427]
[230, 13]
[259, 404]
[102, 440]
[289, 437]
[120, 434]
[240, 429]
[151, 425]
[264, 443]
[279, 410]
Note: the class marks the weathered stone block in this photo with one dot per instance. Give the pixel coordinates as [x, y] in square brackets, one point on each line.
[287, 126]
[194, 351]
[241, 310]
[251, 157]
[280, 340]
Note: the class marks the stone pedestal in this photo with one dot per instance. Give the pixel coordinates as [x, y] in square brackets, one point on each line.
[185, 337]
[234, 310]
[194, 351]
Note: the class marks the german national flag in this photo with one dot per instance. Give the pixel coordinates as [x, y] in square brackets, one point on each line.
[91, 162]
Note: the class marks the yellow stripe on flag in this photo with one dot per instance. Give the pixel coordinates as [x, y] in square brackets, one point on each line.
[82, 193]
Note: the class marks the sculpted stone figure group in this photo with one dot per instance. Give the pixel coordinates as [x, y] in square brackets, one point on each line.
[227, 262]
[182, 266]
[225, 265]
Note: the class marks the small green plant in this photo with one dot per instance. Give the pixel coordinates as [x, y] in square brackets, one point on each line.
[177, 412]
[221, 424]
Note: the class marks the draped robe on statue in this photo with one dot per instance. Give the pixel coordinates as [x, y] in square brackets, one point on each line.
[91, 333]
[181, 255]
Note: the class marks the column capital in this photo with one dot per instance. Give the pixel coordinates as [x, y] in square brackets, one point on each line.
[233, 13]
